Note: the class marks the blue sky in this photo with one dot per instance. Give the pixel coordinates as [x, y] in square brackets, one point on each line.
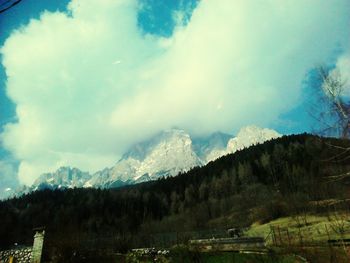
[90, 79]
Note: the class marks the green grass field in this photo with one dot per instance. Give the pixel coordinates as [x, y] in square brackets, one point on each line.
[215, 257]
[226, 257]
[305, 236]
[306, 229]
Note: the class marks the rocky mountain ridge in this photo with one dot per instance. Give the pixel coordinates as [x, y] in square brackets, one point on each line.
[165, 154]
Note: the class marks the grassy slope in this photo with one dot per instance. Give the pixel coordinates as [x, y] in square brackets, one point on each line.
[213, 257]
[313, 228]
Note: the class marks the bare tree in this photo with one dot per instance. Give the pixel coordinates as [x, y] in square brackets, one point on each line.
[331, 108]
[7, 4]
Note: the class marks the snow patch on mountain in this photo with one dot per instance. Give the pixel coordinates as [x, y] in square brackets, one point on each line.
[166, 154]
[64, 177]
[170, 156]
[250, 135]
[211, 147]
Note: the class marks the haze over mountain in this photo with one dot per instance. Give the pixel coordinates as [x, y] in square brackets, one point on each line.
[166, 154]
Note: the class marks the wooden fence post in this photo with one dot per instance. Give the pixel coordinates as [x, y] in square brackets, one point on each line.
[300, 237]
[289, 241]
[327, 232]
[273, 235]
[279, 234]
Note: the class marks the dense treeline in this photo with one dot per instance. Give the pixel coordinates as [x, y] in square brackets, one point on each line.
[281, 177]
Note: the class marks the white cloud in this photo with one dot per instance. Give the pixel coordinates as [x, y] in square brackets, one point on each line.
[8, 171]
[234, 63]
[342, 68]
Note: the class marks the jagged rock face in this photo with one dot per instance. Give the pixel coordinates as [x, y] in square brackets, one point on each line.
[64, 177]
[211, 147]
[98, 179]
[250, 135]
[171, 154]
[122, 172]
[166, 154]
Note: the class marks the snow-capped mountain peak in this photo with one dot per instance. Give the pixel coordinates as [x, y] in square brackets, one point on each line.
[250, 135]
[211, 147]
[170, 155]
[64, 177]
[165, 154]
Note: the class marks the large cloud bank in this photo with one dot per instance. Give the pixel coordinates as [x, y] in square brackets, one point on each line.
[90, 83]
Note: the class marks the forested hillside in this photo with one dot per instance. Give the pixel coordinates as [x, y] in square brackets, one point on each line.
[285, 176]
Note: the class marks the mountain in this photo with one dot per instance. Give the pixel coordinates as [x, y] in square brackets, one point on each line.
[166, 154]
[63, 177]
[249, 136]
[211, 147]
[285, 177]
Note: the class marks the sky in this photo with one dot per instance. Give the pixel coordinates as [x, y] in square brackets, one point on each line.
[82, 80]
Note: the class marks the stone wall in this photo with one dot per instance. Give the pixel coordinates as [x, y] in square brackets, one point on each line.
[23, 255]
